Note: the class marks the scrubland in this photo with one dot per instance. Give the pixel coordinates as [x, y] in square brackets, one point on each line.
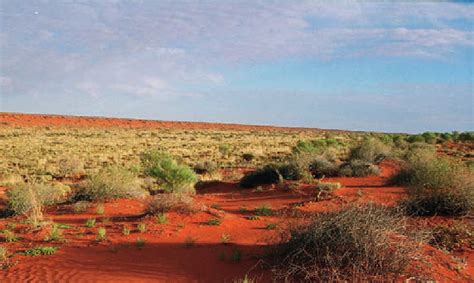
[105, 201]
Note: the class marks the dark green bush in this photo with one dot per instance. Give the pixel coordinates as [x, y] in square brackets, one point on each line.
[268, 174]
[320, 167]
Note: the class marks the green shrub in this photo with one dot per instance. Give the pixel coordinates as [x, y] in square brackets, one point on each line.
[141, 227]
[9, 236]
[438, 185]
[354, 244]
[370, 150]
[415, 138]
[172, 176]
[101, 234]
[264, 210]
[41, 251]
[268, 174]
[54, 234]
[110, 183]
[430, 137]
[90, 223]
[213, 221]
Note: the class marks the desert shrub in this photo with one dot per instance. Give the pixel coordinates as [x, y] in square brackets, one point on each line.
[370, 150]
[358, 168]
[248, 156]
[446, 136]
[466, 136]
[268, 174]
[162, 203]
[415, 138]
[101, 234]
[30, 198]
[225, 149]
[314, 146]
[321, 167]
[292, 170]
[69, 166]
[264, 210]
[171, 175]
[3, 253]
[206, 167]
[54, 234]
[327, 186]
[452, 237]
[430, 137]
[438, 185]
[358, 242]
[110, 183]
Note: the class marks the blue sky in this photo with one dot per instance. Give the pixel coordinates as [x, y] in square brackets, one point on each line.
[382, 66]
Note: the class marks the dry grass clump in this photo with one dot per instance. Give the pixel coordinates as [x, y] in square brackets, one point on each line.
[162, 203]
[110, 183]
[170, 175]
[30, 198]
[452, 237]
[438, 185]
[356, 243]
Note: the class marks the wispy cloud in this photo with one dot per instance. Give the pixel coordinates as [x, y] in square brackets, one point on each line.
[175, 48]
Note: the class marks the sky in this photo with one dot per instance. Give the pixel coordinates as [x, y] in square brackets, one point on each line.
[404, 66]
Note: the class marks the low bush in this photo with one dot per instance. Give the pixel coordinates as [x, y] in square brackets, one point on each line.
[206, 167]
[248, 157]
[356, 243]
[321, 167]
[437, 185]
[370, 150]
[162, 203]
[171, 175]
[41, 251]
[23, 198]
[110, 183]
[268, 174]
[358, 168]
[452, 237]
[70, 166]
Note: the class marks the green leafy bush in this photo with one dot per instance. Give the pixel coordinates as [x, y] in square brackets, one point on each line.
[354, 244]
[172, 176]
[41, 251]
[110, 183]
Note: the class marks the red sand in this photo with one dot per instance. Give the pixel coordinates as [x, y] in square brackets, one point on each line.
[19, 119]
[166, 258]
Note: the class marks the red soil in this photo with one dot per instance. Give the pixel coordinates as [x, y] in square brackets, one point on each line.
[19, 119]
[166, 258]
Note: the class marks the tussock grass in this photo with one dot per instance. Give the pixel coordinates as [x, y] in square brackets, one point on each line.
[356, 243]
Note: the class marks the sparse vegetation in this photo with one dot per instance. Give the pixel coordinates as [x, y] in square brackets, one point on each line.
[452, 237]
[356, 242]
[41, 251]
[110, 183]
[101, 234]
[141, 227]
[213, 221]
[438, 186]
[90, 223]
[161, 203]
